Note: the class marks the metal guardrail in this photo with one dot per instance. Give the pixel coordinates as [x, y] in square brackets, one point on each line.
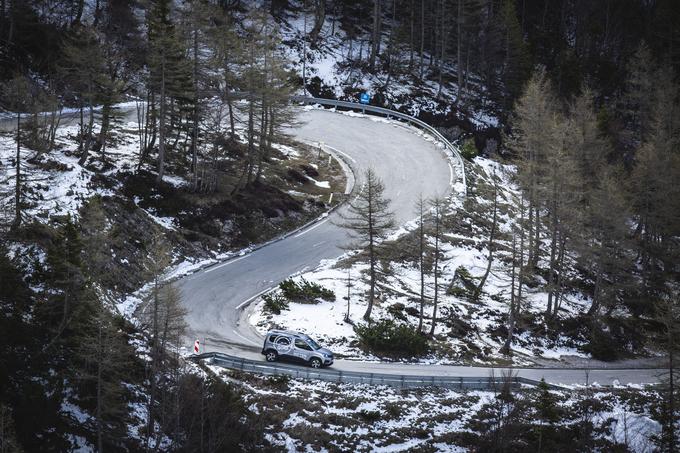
[353, 377]
[392, 114]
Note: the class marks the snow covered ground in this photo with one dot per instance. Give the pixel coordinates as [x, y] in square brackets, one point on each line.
[337, 65]
[303, 415]
[466, 331]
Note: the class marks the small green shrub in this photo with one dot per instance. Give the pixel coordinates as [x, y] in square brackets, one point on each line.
[305, 292]
[275, 303]
[463, 284]
[469, 150]
[393, 409]
[370, 416]
[397, 310]
[388, 337]
[279, 381]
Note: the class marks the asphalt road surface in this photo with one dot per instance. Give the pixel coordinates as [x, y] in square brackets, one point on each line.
[408, 165]
[217, 298]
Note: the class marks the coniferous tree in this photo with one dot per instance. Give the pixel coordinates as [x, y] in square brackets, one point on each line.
[368, 220]
[437, 205]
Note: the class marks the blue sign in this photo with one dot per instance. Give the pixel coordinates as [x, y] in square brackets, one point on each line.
[365, 98]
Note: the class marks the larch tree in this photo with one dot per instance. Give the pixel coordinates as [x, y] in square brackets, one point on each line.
[421, 249]
[533, 132]
[491, 242]
[656, 193]
[437, 205]
[369, 220]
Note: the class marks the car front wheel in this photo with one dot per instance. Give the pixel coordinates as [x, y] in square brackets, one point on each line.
[315, 363]
[271, 356]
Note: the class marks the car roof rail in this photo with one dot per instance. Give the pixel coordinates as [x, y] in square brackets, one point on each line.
[287, 332]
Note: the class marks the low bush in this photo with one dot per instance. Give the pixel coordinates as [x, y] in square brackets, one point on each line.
[370, 416]
[275, 303]
[463, 284]
[388, 337]
[469, 150]
[305, 292]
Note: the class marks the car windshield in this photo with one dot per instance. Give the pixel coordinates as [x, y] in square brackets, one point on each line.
[313, 344]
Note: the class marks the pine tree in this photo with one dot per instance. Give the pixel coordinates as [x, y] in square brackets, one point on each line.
[516, 63]
[68, 309]
[545, 404]
[170, 73]
[18, 93]
[656, 194]
[368, 220]
[104, 358]
[82, 67]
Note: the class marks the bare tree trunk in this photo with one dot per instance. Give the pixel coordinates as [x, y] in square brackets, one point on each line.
[161, 126]
[537, 237]
[81, 128]
[492, 234]
[437, 231]
[79, 13]
[103, 131]
[520, 276]
[319, 19]
[411, 42]
[459, 45]
[422, 36]
[375, 38]
[371, 252]
[671, 382]
[88, 140]
[421, 256]
[17, 188]
[553, 262]
[100, 402]
[560, 276]
[511, 312]
[194, 132]
[443, 48]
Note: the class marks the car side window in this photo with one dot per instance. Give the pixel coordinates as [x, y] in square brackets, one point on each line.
[302, 345]
[272, 338]
[283, 341]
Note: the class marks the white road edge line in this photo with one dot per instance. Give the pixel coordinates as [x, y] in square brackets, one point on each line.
[450, 174]
[210, 269]
[341, 152]
[311, 228]
[245, 302]
[244, 338]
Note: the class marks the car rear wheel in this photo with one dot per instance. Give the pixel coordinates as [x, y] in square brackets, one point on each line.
[315, 363]
[271, 356]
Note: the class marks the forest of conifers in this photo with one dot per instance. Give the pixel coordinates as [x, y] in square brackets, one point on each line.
[585, 101]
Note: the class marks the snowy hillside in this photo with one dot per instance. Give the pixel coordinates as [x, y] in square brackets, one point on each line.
[467, 330]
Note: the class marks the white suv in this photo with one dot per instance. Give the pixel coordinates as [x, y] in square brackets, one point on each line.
[295, 346]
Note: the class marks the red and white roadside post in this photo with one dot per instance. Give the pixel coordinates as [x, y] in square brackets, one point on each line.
[197, 346]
